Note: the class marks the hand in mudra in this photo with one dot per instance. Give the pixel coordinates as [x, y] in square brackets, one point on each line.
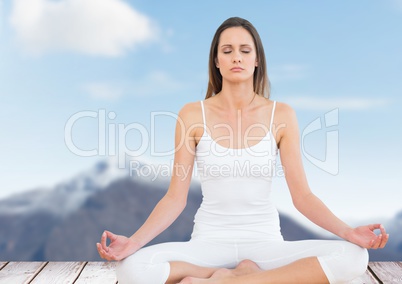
[119, 248]
[365, 236]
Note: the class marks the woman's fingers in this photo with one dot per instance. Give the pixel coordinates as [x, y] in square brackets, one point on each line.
[104, 254]
[373, 227]
[377, 242]
[101, 252]
[111, 236]
[103, 249]
[380, 240]
[385, 237]
[384, 241]
[103, 241]
[107, 235]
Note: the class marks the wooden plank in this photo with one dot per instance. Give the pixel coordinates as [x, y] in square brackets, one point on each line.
[366, 278]
[387, 272]
[59, 272]
[20, 272]
[98, 273]
[2, 264]
[104, 272]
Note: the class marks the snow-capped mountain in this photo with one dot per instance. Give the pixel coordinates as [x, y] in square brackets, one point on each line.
[65, 222]
[67, 196]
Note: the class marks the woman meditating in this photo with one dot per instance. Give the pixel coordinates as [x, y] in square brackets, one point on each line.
[234, 137]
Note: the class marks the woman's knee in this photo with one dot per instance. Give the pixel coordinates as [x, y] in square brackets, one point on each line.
[128, 271]
[355, 261]
[345, 262]
[359, 259]
[134, 271]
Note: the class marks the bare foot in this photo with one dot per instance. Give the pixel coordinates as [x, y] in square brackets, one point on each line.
[223, 275]
[216, 278]
[246, 267]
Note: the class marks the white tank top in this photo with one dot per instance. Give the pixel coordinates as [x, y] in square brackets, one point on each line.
[236, 187]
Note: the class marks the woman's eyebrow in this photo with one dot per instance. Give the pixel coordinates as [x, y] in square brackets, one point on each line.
[230, 45]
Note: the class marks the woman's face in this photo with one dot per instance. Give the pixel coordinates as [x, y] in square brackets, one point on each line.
[236, 56]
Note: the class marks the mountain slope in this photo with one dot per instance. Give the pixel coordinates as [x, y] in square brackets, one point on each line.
[66, 222]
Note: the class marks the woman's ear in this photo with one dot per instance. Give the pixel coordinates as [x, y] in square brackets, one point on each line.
[216, 63]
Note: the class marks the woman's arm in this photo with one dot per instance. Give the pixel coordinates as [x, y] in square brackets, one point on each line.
[303, 199]
[174, 201]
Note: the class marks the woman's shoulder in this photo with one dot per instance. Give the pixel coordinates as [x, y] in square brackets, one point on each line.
[281, 108]
[284, 108]
[191, 111]
[190, 107]
[278, 105]
[284, 113]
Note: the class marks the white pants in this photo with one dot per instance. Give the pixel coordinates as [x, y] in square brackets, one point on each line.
[341, 261]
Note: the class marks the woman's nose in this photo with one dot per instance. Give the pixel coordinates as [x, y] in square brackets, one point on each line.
[236, 57]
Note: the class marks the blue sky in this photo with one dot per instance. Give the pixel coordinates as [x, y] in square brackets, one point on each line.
[131, 58]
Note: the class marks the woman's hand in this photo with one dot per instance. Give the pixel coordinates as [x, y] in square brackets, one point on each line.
[119, 248]
[364, 236]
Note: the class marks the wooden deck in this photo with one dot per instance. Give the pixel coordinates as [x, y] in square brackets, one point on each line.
[103, 273]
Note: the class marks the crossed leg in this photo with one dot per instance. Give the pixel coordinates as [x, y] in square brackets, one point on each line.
[307, 270]
[280, 261]
[245, 267]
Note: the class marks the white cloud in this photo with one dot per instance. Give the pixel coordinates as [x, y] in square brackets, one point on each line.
[156, 83]
[398, 4]
[1, 16]
[103, 91]
[343, 103]
[287, 72]
[95, 27]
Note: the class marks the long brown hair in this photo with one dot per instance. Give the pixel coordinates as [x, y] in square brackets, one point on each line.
[261, 82]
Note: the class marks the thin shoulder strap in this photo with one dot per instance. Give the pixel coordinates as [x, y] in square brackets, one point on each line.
[203, 114]
[272, 116]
